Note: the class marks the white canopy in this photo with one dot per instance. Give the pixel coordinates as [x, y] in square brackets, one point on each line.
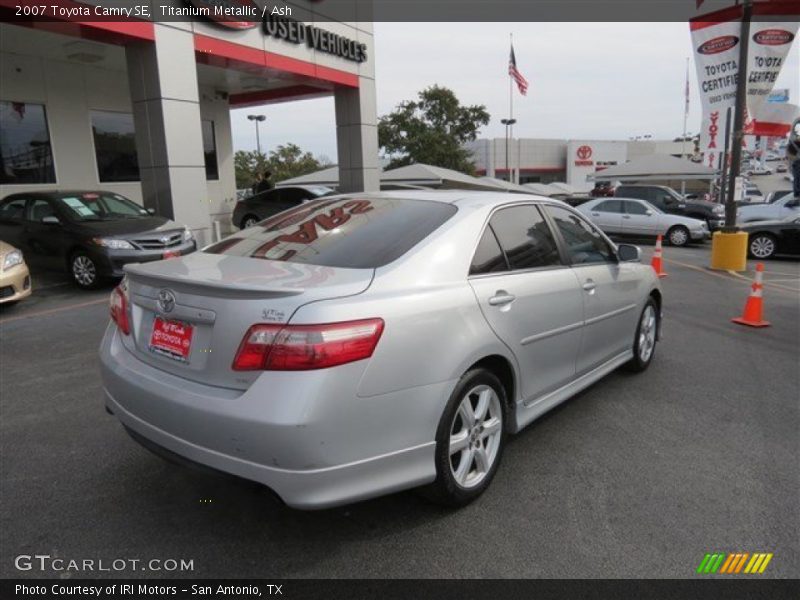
[328, 176]
[655, 167]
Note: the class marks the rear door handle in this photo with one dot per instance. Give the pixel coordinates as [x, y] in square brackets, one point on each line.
[501, 298]
[626, 216]
[589, 286]
[595, 214]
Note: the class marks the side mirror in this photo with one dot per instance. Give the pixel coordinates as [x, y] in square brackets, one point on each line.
[51, 220]
[151, 211]
[648, 212]
[629, 253]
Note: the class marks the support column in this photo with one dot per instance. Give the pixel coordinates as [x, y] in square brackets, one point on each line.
[357, 137]
[169, 140]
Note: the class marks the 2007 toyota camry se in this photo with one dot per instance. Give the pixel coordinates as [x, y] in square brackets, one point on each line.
[358, 345]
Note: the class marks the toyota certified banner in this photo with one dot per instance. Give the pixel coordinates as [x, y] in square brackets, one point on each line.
[716, 46]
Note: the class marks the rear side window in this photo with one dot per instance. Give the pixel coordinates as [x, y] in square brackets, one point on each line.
[360, 233]
[488, 256]
[609, 206]
[635, 208]
[584, 244]
[525, 237]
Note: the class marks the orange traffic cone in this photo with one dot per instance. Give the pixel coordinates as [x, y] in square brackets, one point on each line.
[753, 309]
[656, 262]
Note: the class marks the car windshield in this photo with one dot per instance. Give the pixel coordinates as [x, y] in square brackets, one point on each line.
[355, 233]
[92, 206]
[779, 195]
[320, 190]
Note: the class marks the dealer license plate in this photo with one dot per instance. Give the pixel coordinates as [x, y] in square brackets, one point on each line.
[171, 338]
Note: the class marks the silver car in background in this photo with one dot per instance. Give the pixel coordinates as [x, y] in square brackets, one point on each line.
[359, 345]
[639, 218]
[780, 206]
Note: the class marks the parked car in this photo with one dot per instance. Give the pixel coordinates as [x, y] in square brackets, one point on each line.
[252, 209]
[90, 234]
[768, 238]
[753, 195]
[369, 343]
[669, 201]
[759, 170]
[780, 208]
[15, 279]
[781, 168]
[637, 218]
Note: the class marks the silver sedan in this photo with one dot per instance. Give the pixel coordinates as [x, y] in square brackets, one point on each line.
[359, 345]
[639, 218]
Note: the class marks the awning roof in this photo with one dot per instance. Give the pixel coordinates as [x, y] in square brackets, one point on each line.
[416, 174]
[655, 167]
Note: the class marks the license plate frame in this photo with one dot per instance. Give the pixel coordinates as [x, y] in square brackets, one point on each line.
[171, 338]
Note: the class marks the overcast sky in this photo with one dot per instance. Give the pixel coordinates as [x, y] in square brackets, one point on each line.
[587, 81]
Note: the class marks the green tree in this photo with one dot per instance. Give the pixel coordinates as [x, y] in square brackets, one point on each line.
[432, 130]
[285, 162]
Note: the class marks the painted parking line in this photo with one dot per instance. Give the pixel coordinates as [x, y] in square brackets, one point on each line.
[52, 311]
[730, 276]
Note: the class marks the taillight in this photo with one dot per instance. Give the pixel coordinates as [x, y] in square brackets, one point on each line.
[118, 305]
[304, 347]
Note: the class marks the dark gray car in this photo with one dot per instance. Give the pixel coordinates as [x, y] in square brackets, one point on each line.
[255, 208]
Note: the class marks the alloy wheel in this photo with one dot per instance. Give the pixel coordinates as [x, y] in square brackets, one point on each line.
[249, 222]
[762, 246]
[475, 435]
[83, 270]
[678, 237]
[647, 333]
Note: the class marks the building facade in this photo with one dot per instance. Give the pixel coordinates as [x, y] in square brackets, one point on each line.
[571, 161]
[142, 108]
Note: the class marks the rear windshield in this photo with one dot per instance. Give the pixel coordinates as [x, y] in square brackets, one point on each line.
[355, 233]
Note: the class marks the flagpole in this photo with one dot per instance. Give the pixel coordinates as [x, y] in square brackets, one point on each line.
[510, 107]
[685, 110]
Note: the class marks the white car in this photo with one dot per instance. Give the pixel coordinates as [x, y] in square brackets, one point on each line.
[639, 218]
[759, 170]
[784, 206]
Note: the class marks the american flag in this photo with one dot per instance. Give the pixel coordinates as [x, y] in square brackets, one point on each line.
[522, 83]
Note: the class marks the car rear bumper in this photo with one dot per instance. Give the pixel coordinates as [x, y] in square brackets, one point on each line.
[110, 263]
[15, 284]
[299, 434]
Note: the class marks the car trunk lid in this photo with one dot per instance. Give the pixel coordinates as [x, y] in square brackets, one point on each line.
[201, 306]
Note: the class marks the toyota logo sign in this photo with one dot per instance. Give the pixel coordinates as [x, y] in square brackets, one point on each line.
[166, 300]
[584, 152]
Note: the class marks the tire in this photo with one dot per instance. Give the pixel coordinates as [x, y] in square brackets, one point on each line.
[644, 342]
[678, 236]
[248, 221]
[762, 246]
[83, 271]
[461, 476]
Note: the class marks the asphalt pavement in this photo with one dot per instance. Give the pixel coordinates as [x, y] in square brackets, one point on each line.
[638, 476]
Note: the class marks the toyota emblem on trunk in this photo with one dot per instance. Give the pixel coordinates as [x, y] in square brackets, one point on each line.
[166, 301]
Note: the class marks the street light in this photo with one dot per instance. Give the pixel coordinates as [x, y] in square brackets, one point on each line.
[257, 119]
[508, 123]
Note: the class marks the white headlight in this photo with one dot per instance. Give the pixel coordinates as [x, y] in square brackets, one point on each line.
[187, 235]
[12, 259]
[113, 243]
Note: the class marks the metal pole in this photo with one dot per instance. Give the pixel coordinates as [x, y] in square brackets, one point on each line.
[258, 139]
[685, 113]
[726, 150]
[738, 118]
[507, 173]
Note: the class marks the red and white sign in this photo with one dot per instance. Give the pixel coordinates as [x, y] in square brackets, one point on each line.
[171, 337]
[584, 155]
[716, 43]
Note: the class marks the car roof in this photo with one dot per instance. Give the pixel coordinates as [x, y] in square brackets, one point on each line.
[56, 193]
[474, 197]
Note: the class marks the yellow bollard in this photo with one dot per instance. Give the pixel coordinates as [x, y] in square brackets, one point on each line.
[729, 251]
